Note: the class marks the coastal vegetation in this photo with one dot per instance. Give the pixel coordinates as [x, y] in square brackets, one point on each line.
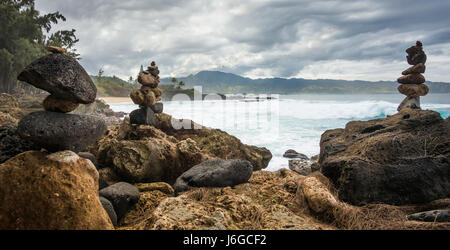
[24, 35]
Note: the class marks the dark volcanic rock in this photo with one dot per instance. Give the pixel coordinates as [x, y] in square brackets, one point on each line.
[102, 183]
[107, 205]
[89, 156]
[11, 144]
[402, 159]
[215, 173]
[293, 154]
[57, 131]
[158, 107]
[431, 216]
[154, 72]
[143, 116]
[62, 76]
[122, 196]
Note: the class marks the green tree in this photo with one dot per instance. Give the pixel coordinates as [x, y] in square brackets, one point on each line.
[180, 84]
[23, 39]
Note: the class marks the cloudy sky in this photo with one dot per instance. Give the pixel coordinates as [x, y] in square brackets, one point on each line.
[345, 39]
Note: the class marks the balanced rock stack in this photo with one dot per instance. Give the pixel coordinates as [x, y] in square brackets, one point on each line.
[412, 81]
[147, 97]
[69, 85]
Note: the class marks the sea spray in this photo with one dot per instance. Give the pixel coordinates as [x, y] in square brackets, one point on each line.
[301, 120]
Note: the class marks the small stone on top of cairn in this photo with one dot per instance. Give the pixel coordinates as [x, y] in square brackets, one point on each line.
[147, 97]
[412, 82]
[56, 50]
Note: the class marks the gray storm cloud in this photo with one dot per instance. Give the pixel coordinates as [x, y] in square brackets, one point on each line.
[343, 39]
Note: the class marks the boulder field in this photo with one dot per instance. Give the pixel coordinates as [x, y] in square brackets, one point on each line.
[141, 153]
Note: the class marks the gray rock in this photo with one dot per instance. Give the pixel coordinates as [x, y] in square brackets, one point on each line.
[57, 131]
[158, 107]
[89, 156]
[409, 102]
[122, 196]
[301, 166]
[143, 116]
[154, 72]
[215, 173]
[431, 216]
[109, 210]
[62, 76]
[294, 154]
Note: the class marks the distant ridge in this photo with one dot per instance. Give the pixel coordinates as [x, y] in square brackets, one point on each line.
[228, 83]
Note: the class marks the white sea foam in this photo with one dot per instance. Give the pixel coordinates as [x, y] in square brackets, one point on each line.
[289, 123]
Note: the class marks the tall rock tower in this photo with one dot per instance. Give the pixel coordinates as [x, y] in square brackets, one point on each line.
[412, 82]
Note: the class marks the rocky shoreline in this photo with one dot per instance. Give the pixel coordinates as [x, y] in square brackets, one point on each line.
[68, 166]
[284, 199]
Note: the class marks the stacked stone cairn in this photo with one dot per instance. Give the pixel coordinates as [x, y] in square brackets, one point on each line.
[69, 85]
[412, 81]
[148, 97]
[56, 130]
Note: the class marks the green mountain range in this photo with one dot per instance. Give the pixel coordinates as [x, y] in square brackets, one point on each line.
[227, 83]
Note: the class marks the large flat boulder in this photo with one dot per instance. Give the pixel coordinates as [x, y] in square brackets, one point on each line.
[215, 173]
[401, 159]
[62, 76]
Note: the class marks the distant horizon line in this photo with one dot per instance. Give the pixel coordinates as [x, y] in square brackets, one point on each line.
[284, 78]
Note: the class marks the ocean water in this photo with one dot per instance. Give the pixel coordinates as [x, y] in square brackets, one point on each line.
[291, 121]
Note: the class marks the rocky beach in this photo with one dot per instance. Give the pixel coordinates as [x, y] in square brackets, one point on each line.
[68, 161]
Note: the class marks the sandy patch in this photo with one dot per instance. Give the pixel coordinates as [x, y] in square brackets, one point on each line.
[115, 99]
